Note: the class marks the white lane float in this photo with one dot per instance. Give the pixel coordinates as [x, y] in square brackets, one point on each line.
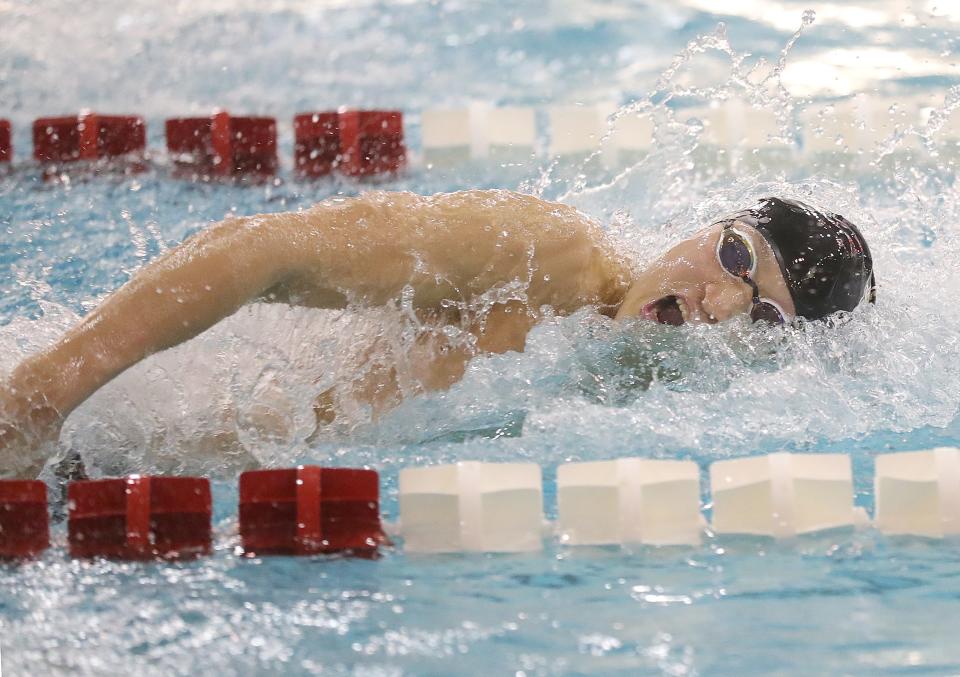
[629, 500]
[446, 135]
[455, 135]
[472, 506]
[577, 130]
[918, 492]
[739, 135]
[632, 137]
[506, 132]
[783, 495]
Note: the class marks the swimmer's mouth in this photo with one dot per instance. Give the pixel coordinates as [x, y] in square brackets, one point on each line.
[665, 311]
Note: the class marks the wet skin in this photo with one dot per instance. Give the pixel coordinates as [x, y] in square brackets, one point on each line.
[449, 254]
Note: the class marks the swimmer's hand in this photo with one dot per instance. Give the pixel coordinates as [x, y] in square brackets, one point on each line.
[29, 429]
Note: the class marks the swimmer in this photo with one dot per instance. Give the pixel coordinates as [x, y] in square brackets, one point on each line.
[779, 261]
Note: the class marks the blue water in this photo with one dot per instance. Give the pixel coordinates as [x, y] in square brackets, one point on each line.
[835, 603]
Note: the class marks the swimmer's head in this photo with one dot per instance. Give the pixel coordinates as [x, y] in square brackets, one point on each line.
[778, 259]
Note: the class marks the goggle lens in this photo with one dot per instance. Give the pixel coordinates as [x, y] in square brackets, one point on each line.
[735, 255]
[766, 312]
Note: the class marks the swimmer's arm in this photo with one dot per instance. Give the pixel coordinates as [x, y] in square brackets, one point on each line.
[363, 247]
[172, 299]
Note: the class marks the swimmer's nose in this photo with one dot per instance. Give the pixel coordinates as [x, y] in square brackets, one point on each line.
[723, 300]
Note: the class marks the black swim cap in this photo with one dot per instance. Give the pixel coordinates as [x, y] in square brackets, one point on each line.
[823, 257]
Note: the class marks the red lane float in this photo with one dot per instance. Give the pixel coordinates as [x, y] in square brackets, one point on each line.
[371, 142]
[309, 510]
[316, 148]
[223, 146]
[6, 143]
[355, 142]
[140, 517]
[88, 136]
[24, 524]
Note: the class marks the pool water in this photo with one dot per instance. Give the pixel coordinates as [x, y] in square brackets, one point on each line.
[584, 389]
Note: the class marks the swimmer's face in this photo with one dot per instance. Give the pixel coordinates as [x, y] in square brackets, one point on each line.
[688, 284]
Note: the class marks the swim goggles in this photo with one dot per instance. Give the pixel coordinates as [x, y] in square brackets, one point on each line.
[736, 256]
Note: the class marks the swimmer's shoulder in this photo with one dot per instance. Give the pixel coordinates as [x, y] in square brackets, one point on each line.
[514, 206]
[487, 222]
